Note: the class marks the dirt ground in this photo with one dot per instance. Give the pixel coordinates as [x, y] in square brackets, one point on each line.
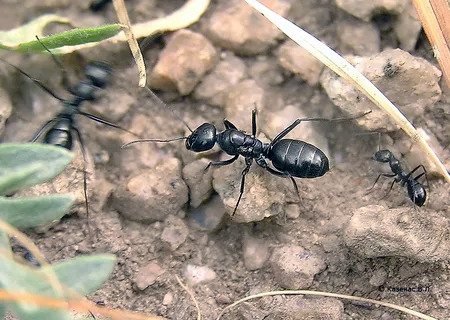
[149, 207]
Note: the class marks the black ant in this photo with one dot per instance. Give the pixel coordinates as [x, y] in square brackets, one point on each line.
[59, 131]
[416, 191]
[291, 158]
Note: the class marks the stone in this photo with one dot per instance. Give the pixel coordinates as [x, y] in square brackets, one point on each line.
[365, 10]
[198, 274]
[358, 37]
[153, 194]
[183, 62]
[198, 181]
[175, 232]
[299, 61]
[263, 193]
[255, 253]
[391, 71]
[148, 275]
[375, 231]
[294, 267]
[228, 72]
[236, 26]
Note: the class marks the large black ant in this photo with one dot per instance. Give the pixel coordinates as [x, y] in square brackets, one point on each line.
[416, 191]
[291, 158]
[59, 131]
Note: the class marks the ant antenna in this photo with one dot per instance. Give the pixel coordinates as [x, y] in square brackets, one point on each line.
[152, 140]
[61, 67]
[36, 81]
[167, 106]
[149, 39]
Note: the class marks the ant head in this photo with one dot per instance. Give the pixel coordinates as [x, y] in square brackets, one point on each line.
[382, 156]
[99, 73]
[203, 138]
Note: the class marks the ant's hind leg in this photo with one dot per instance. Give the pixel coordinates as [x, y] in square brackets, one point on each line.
[423, 173]
[83, 151]
[41, 130]
[279, 174]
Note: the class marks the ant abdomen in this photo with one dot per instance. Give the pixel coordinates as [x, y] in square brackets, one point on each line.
[416, 192]
[299, 159]
[60, 134]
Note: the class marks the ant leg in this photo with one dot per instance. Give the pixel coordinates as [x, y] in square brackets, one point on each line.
[229, 125]
[254, 122]
[42, 129]
[221, 163]
[423, 173]
[36, 81]
[248, 162]
[83, 151]
[263, 164]
[414, 170]
[298, 121]
[378, 178]
[100, 120]
[392, 184]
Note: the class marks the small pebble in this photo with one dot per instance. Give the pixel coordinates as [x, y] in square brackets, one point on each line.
[147, 275]
[175, 232]
[198, 274]
[168, 299]
[255, 253]
[294, 267]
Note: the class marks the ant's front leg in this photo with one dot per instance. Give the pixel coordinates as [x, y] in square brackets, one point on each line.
[221, 163]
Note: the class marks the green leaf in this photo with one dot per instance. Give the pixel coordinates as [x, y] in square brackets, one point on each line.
[2, 310]
[28, 164]
[28, 32]
[32, 212]
[15, 277]
[85, 274]
[70, 38]
[82, 275]
[5, 247]
[13, 180]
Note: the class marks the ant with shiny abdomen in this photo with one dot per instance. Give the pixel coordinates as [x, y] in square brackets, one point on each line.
[416, 191]
[290, 158]
[60, 130]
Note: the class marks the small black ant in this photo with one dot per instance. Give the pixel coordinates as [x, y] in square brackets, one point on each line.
[416, 191]
[291, 158]
[59, 131]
